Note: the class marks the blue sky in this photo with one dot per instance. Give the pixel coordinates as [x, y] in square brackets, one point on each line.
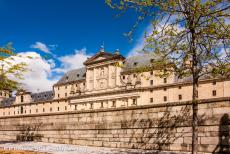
[64, 29]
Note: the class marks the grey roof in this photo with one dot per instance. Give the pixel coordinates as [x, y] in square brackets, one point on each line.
[7, 101]
[42, 96]
[73, 75]
[36, 97]
[138, 61]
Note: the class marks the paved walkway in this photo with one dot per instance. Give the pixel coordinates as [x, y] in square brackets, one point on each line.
[53, 148]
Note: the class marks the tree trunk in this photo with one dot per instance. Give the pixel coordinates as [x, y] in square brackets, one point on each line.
[195, 117]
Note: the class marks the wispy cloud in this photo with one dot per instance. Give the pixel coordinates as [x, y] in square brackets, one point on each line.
[72, 61]
[41, 46]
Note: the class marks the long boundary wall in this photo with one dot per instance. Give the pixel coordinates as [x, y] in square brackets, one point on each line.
[165, 127]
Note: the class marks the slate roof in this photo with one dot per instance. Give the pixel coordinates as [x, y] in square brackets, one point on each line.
[73, 75]
[36, 97]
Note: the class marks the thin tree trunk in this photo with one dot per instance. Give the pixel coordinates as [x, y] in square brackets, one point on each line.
[195, 118]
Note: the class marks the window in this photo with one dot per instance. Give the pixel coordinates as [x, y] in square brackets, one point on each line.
[101, 104]
[151, 73]
[214, 83]
[91, 105]
[114, 104]
[135, 63]
[123, 77]
[65, 107]
[67, 78]
[151, 91]
[151, 82]
[58, 95]
[36, 110]
[58, 109]
[22, 98]
[165, 80]
[151, 60]
[0, 93]
[43, 109]
[30, 110]
[58, 88]
[214, 93]
[134, 101]
[78, 75]
[75, 107]
[51, 109]
[165, 98]
[14, 112]
[65, 94]
[180, 97]
[21, 109]
[165, 89]
[179, 87]
[65, 87]
[134, 75]
[151, 100]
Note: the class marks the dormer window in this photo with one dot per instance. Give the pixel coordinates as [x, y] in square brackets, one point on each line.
[135, 63]
[22, 98]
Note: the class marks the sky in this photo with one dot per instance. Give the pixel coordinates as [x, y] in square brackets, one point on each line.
[61, 34]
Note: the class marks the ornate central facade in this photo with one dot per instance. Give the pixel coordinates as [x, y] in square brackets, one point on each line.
[109, 80]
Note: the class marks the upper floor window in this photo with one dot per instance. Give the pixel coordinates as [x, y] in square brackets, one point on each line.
[165, 98]
[214, 93]
[165, 80]
[123, 77]
[67, 78]
[151, 82]
[135, 63]
[180, 97]
[151, 73]
[22, 98]
[179, 87]
[78, 75]
[114, 104]
[134, 101]
[214, 82]
[151, 100]
[165, 89]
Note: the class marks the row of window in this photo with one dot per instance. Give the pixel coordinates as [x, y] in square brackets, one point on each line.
[180, 97]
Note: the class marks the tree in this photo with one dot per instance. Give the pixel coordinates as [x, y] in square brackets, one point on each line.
[190, 37]
[10, 69]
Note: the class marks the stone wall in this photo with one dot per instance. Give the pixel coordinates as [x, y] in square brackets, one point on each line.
[160, 127]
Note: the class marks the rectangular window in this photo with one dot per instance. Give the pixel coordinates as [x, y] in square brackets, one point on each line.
[65, 94]
[58, 109]
[151, 82]
[151, 100]
[58, 88]
[114, 104]
[179, 87]
[165, 89]
[65, 107]
[123, 77]
[36, 110]
[51, 109]
[165, 98]
[91, 105]
[180, 97]
[151, 73]
[43, 109]
[65, 87]
[165, 80]
[134, 101]
[151, 91]
[75, 107]
[22, 98]
[101, 104]
[214, 93]
[58, 95]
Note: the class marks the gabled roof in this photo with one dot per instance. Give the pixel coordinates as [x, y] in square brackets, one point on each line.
[72, 76]
[103, 56]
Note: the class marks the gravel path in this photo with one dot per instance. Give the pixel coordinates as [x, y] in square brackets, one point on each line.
[52, 148]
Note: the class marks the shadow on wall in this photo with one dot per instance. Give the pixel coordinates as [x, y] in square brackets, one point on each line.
[223, 145]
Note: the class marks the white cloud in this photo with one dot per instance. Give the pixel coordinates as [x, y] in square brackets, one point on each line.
[38, 76]
[41, 46]
[73, 61]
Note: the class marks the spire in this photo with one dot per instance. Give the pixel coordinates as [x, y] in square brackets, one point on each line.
[102, 48]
